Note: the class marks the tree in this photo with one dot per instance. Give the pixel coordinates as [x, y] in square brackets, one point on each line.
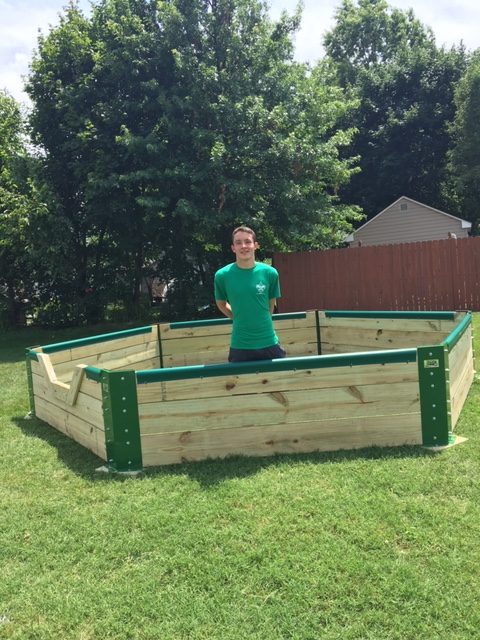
[16, 201]
[405, 85]
[464, 157]
[166, 123]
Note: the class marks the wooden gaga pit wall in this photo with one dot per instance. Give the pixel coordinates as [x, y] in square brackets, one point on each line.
[163, 394]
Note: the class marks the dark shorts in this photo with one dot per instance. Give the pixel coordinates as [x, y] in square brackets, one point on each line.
[246, 355]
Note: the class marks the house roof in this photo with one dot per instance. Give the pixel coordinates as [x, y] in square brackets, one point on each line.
[465, 223]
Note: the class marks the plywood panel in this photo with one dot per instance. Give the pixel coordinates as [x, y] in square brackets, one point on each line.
[171, 448]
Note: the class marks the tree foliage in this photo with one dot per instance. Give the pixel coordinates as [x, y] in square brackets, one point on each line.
[16, 201]
[166, 123]
[464, 157]
[405, 85]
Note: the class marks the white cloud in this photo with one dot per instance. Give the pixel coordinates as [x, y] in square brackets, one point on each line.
[20, 24]
[451, 21]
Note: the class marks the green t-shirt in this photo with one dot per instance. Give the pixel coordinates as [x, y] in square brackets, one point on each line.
[249, 292]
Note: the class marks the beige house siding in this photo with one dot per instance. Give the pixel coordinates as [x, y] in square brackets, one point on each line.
[408, 221]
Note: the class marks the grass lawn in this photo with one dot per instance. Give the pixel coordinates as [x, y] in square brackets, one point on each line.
[376, 544]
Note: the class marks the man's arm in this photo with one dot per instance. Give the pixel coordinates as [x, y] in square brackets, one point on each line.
[225, 308]
[273, 302]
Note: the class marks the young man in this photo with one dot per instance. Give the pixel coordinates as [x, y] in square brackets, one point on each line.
[247, 291]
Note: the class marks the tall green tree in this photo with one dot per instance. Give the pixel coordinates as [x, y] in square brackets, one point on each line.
[166, 123]
[405, 86]
[464, 157]
[58, 88]
[16, 202]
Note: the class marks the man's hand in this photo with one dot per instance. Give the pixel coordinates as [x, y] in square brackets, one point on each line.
[225, 308]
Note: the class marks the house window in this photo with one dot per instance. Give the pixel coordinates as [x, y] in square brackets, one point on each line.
[403, 206]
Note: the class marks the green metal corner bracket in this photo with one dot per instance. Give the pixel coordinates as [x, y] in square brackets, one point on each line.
[31, 395]
[319, 337]
[433, 376]
[122, 425]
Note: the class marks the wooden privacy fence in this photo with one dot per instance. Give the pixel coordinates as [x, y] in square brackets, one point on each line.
[417, 276]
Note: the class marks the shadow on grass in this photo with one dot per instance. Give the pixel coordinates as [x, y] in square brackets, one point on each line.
[76, 457]
[206, 472]
[212, 472]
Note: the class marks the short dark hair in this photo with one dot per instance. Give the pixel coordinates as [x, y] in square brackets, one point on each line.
[245, 230]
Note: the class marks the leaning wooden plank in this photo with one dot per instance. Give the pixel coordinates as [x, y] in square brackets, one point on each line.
[89, 387]
[251, 383]
[279, 407]
[75, 384]
[46, 368]
[171, 448]
[55, 387]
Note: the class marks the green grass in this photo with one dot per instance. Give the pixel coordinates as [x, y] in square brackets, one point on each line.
[377, 544]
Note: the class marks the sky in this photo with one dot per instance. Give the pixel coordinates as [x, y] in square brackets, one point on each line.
[452, 21]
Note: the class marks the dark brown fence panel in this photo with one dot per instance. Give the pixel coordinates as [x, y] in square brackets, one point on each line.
[437, 275]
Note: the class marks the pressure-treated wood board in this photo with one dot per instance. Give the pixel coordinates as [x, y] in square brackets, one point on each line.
[352, 433]
[278, 407]
[461, 352]
[85, 433]
[86, 407]
[228, 386]
[360, 339]
[85, 352]
[125, 358]
[461, 374]
[421, 325]
[89, 387]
